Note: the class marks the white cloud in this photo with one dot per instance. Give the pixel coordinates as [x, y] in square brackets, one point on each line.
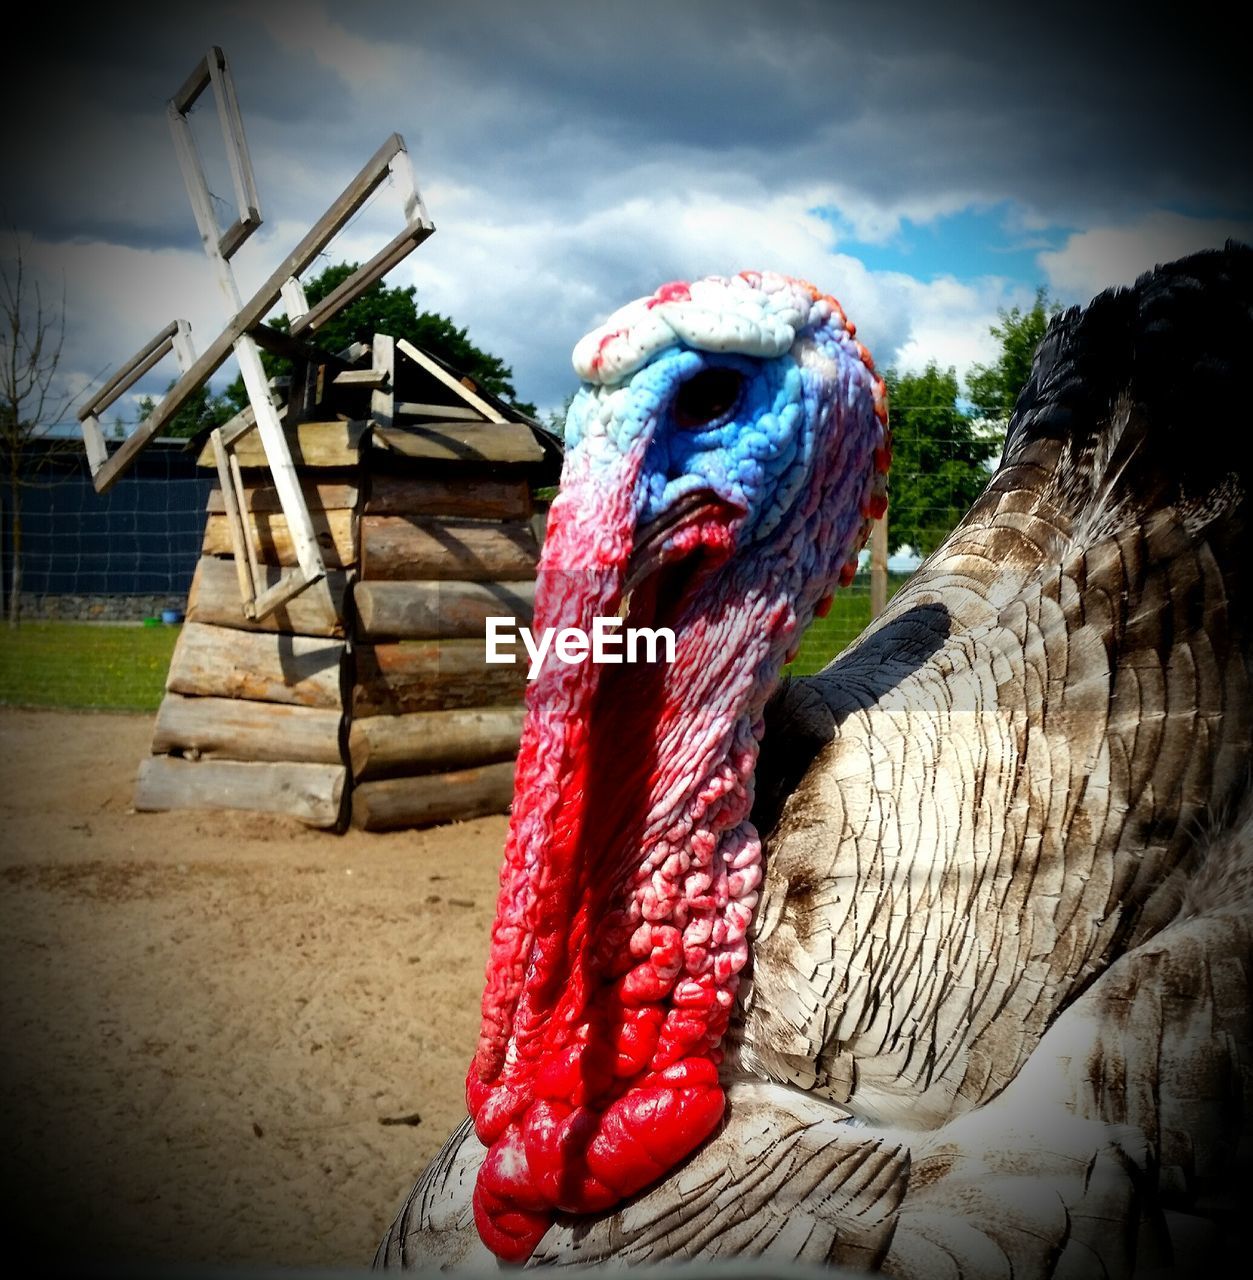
[116, 299]
[528, 289]
[1104, 256]
[950, 320]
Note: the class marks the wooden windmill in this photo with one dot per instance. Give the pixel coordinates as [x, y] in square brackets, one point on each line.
[371, 511]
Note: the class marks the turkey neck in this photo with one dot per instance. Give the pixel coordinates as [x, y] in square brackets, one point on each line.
[631, 869]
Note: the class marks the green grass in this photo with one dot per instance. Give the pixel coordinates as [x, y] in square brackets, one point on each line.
[849, 617]
[122, 667]
[85, 665]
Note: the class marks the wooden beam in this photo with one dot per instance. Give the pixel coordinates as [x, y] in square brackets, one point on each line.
[371, 379]
[312, 444]
[293, 583]
[255, 310]
[489, 442]
[245, 558]
[269, 533]
[195, 84]
[93, 442]
[247, 202]
[311, 793]
[405, 548]
[472, 492]
[395, 679]
[149, 355]
[396, 250]
[235, 729]
[383, 397]
[294, 299]
[220, 662]
[215, 599]
[878, 566]
[433, 741]
[437, 610]
[321, 495]
[437, 797]
[447, 412]
[441, 374]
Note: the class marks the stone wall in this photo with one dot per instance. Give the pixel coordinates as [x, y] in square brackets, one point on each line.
[99, 608]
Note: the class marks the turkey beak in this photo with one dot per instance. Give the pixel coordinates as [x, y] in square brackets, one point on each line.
[695, 534]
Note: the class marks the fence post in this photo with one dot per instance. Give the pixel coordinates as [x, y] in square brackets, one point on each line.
[879, 566]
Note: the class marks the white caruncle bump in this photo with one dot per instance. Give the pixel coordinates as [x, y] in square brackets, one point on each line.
[719, 314]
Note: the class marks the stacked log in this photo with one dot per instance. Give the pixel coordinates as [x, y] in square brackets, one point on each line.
[253, 715]
[446, 542]
[383, 710]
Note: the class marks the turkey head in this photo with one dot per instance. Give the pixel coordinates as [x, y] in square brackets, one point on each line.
[725, 457]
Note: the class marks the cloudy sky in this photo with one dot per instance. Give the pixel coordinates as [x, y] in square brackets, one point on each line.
[926, 164]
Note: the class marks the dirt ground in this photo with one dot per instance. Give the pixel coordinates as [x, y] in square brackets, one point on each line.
[224, 1038]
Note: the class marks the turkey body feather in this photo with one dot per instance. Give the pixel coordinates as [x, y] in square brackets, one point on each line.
[997, 1019]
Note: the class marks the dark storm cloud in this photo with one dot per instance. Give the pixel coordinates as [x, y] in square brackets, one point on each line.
[87, 150]
[1063, 107]
[538, 123]
[1074, 113]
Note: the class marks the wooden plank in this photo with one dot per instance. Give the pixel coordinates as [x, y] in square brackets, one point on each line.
[313, 793]
[294, 299]
[368, 378]
[93, 442]
[152, 353]
[383, 397]
[396, 250]
[334, 531]
[460, 387]
[247, 201]
[470, 492]
[408, 547]
[433, 741]
[214, 599]
[879, 566]
[320, 495]
[445, 412]
[415, 676]
[500, 442]
[255, 310]
[438, 797]
[235, 729]
[437, 610]
[241, 548]
[312, 444]
[220, 662]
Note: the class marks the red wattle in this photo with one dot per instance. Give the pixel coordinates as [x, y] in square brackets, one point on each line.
[631, 871]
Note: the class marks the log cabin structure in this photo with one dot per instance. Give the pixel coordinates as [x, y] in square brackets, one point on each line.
[372, 510]
[385, 714]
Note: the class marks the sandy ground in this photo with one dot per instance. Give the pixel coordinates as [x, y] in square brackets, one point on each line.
[210, 1023]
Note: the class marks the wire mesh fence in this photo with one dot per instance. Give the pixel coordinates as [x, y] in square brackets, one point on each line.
[98, 572]
[101, 571]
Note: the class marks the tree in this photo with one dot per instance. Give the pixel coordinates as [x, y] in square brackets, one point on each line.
[395, 311]
[941, 455]
[994, 388]
[200, 411]
[938, 459]
[31, 398]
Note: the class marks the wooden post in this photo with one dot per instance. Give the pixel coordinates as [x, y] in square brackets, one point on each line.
[879, 566]
[383, 396]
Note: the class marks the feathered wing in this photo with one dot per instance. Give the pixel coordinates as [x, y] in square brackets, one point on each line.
[988, 830]
[1114, 1146]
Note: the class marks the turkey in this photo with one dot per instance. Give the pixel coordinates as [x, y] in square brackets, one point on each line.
[955, 980]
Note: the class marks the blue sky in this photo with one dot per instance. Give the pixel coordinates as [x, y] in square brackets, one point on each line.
[928, 168]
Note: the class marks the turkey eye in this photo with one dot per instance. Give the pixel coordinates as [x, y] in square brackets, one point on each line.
[706, 397]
